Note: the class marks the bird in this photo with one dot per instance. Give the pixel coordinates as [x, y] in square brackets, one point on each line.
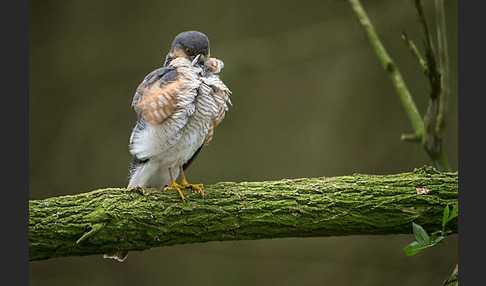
[178, 106]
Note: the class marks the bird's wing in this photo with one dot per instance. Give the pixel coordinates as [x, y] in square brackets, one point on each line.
[146, 92]
[164, 74]
[153, 91]
[155, 97]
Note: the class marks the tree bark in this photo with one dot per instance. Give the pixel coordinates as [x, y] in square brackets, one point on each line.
[113, 219]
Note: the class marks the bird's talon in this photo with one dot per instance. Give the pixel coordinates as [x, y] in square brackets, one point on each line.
[193, 187]
[177, 188]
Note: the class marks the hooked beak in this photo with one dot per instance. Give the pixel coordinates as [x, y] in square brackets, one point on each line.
[199, 59]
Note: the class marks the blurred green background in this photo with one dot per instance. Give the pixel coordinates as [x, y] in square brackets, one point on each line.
[309, 99]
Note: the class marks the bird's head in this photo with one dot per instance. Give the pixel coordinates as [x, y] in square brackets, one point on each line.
[192, 45]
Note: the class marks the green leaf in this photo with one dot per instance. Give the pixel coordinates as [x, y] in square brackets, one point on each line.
[445, 217]
[420, 234]
[451, 215]
[454, 212]
[414, 248]
[437, 240]
[455, 209]
[437, 233]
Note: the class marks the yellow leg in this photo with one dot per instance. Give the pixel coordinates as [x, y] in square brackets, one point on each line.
[184, 184]
[174, 186]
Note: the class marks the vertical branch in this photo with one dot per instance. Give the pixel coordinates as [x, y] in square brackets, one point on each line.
[391, 69]
[443, 65]
[434, 123]
[428, 131]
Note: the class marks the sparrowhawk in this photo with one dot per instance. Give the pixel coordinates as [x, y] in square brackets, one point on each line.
[178, 106]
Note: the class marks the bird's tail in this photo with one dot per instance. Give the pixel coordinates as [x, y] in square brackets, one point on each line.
[118, 255]
[145, 174]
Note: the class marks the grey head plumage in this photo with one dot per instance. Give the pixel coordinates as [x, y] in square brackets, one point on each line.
[191, 43]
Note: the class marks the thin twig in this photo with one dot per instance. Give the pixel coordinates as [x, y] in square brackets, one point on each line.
[443, 66]
[416, 54]
[430, 55]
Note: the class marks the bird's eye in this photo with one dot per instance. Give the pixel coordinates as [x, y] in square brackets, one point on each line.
[188, 51]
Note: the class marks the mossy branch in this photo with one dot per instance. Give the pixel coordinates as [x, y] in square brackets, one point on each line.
[113, 219]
